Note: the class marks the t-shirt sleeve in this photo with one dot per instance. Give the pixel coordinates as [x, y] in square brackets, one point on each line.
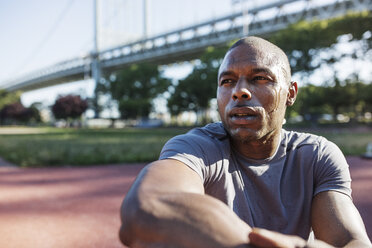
[189, 150]
[332, 170]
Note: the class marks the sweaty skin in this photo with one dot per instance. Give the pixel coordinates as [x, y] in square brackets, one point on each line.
[250, 83]
[277, 94]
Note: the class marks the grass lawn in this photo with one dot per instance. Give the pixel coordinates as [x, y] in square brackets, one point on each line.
[351, 143]
[38, 147]
[29, 147]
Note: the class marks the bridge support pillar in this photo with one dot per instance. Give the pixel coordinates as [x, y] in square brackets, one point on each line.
[96, 75]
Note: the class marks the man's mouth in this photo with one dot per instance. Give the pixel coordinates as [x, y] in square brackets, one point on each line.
[244, 116]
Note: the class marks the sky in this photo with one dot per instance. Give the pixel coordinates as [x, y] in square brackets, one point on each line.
[39, 33]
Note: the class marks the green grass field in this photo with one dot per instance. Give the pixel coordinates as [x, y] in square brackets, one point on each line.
[351, 143]
[40, 147]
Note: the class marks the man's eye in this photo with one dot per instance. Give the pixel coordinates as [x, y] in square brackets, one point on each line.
[226, 81]
[260, 78]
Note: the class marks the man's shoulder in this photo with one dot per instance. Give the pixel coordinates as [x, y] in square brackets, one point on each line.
[313, 149]
[203, 146]
[297, 139]
[209, 131]
[206, 138]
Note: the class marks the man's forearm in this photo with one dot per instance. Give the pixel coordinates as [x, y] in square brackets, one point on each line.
[167, 207]
[182, 220]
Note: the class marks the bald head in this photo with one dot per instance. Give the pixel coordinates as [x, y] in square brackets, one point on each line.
[270, 51]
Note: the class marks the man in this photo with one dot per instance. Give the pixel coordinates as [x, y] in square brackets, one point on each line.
[211, 186]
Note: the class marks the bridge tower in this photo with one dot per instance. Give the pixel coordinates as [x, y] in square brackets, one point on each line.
[96, 68]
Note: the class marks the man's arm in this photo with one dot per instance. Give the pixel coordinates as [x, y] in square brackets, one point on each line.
[336, 221]
[167, 207]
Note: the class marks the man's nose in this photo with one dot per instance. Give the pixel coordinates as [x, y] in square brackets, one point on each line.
[241, 91]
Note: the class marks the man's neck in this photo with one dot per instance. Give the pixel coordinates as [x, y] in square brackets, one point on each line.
[263, 148]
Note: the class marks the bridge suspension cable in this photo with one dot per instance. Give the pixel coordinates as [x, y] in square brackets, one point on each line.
[46, 38]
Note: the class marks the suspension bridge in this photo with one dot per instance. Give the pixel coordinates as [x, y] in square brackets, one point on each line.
[186, 43]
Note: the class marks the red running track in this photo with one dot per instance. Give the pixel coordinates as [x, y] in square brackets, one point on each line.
[79, 207]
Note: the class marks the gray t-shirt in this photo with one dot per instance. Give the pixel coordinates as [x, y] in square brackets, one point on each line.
[274, 193]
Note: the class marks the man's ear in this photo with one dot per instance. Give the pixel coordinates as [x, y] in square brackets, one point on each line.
[292, 93]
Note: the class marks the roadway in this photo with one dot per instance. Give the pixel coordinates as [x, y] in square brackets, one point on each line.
[79, 207]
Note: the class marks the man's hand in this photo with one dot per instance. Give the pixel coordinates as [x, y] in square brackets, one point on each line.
[268, 239]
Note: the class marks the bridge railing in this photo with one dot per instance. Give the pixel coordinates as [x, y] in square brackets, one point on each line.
[53, 71]
[188, 33]
[262, 20]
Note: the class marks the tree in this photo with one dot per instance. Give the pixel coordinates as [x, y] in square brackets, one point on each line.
[350, 98]
[17, 113]
[306, 42]
[195, 91]
[7, 98]
[135, 88]
[361, 100]
[310, 102]
[311, 45]
[366, 95]
[339, 96]
[35, 112]
[70, 106]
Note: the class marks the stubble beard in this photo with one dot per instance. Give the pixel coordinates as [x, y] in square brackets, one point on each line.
[247, 135]
[261, 137]
[244, 135]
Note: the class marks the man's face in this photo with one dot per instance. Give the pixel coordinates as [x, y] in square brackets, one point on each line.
[252, 93]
